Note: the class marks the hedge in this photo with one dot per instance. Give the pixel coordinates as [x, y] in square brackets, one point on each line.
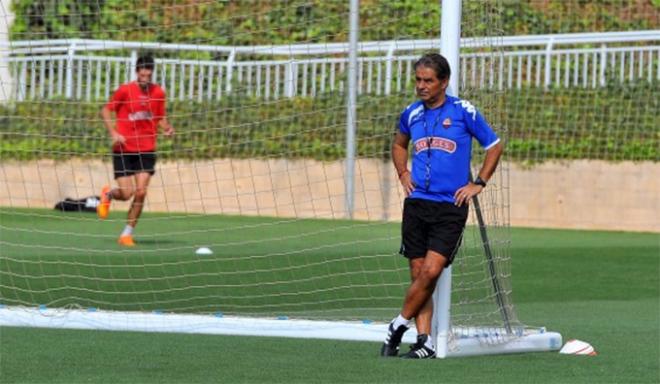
[312, 21]
[609, 124]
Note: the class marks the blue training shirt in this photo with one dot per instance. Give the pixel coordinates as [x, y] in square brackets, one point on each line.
[448, 131]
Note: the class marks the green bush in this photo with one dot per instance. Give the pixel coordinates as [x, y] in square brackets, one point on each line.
[609, 124]
[313, 21]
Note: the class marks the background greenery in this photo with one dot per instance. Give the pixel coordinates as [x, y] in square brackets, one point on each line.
[288, 21]
[607, 124]
[615, 123]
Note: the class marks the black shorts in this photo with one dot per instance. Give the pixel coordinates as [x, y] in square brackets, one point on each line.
[429, 225]
[128, 164]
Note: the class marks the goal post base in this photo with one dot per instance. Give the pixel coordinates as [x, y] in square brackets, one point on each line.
[530, 341]
[243, 326]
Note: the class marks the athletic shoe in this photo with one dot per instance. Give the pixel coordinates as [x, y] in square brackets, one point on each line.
[126, 241]
[419, 350]
[393, 340]
[103, 209]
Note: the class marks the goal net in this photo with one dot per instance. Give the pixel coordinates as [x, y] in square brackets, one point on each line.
[256, 171]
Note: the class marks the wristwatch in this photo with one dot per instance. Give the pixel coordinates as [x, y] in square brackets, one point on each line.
[479, 181]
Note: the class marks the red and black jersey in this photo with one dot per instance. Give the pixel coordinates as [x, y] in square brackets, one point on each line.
[138, 113]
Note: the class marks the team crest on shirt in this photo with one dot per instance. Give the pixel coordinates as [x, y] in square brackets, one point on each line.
[446, 123]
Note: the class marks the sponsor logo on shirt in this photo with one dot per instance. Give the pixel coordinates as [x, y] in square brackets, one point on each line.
[141, 115]
[440, 143]
[415, 115]
[469, 108]
[446, 123]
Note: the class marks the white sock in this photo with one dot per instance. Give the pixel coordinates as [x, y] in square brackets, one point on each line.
[128, 230]
[429, 343]
[399, 321]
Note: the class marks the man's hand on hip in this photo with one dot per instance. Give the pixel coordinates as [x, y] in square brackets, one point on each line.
[464, 194]
[406, 182]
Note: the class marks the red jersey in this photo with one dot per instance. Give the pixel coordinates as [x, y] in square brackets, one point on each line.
[138, 114]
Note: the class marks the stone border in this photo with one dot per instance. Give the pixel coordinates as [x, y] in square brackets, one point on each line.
[579, 194]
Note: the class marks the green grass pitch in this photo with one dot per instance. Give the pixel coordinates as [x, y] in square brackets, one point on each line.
[601, 287]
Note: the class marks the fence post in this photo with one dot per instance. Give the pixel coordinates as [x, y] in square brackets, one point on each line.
[22, 80]
[548, 60]
[603, 64]
[388, 68]
[68, 88]
[131, 70]
[230, 70]
[290, 78]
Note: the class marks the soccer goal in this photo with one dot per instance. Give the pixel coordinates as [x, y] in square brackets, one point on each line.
[279, 166]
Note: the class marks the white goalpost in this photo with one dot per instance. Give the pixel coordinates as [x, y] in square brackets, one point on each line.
[485, 339]
[290, 187]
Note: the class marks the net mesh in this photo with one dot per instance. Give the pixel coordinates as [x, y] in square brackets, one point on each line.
[256, 172]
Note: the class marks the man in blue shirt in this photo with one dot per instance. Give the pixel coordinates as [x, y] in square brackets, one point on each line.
[438, 190]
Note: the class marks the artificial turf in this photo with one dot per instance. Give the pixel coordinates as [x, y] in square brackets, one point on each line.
[601, 287]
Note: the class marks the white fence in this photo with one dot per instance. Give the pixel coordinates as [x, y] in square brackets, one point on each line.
[67, 68]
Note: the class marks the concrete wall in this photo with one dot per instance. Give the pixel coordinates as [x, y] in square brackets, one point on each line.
[6, 82]
[576, 194]
[587, 195]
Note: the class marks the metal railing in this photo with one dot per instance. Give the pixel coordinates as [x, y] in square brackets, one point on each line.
[68, 68]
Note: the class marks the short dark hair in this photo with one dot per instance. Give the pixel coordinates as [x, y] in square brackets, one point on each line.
[145, 61]
[436, 62]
